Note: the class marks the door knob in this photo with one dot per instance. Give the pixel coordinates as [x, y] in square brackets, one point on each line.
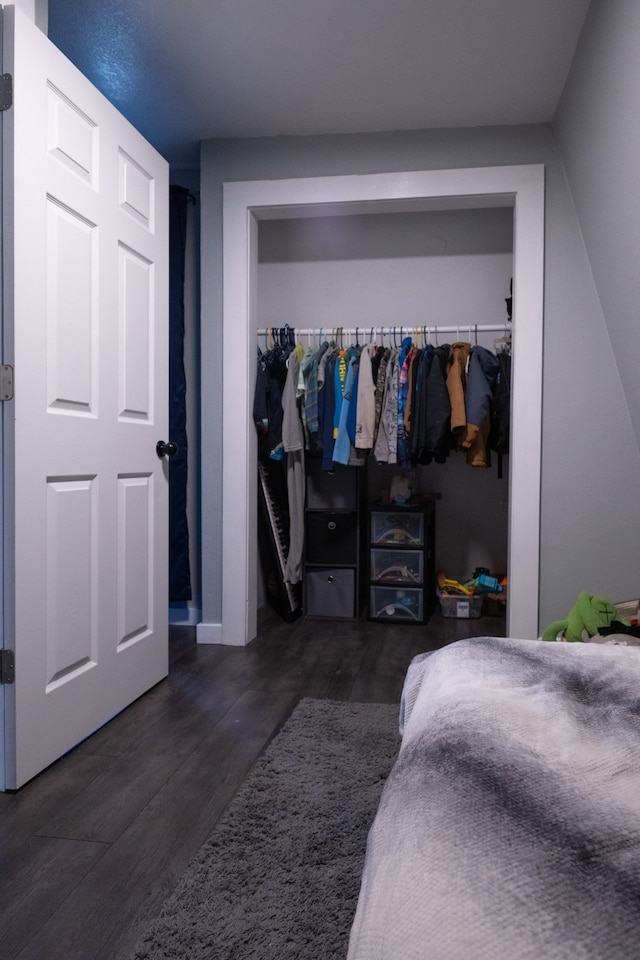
[166, 449]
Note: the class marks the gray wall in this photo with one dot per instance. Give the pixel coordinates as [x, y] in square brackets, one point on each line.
[590, 531]
[598, 131]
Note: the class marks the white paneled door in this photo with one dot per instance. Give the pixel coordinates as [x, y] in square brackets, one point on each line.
[85, 222]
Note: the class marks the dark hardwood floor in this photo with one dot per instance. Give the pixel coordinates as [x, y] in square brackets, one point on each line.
[91, 848]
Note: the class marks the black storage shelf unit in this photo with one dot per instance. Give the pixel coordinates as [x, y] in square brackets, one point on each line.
[333, 542]
[401, 556]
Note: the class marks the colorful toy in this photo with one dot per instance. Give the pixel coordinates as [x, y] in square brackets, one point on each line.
[446, 585]
[488, 583]
[481, 583]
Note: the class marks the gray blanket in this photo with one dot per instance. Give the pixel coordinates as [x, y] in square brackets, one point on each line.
[509, 828]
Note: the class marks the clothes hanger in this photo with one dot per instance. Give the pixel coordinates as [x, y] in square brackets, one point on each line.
[503, 343]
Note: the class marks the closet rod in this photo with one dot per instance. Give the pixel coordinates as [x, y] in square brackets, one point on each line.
[389, 331]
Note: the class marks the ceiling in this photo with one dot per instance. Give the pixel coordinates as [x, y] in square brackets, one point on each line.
[188, 70]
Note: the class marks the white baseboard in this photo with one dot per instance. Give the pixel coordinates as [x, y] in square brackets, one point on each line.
[209, 633]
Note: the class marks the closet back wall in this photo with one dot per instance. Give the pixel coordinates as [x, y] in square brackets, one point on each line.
[450, 268]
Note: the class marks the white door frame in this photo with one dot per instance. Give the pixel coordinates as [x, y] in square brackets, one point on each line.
[248, 202]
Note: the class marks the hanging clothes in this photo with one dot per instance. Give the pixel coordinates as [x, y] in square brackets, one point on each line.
[267, 402]
[501, 409]
[401, 405]
[379, 373]
[293, 445]
[481, 379]
[438, 432]
[420, 408]
[326, 405]
[343, 444]
[311, 417]
[366, 400]
[456, 387]
[404, 361]
[340, 378]
[386, 445]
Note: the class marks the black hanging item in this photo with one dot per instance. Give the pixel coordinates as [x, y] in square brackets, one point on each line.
[509, 300]
[271, 375]
[500, 411]
[179, 567]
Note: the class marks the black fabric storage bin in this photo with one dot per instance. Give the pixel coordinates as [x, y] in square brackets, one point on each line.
[331, 538]
[335, 490]
[331, 593]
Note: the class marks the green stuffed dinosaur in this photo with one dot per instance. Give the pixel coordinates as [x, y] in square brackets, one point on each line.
[589, 613]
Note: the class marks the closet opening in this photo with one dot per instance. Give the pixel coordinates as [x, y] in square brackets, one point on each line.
[506, 202]
[437, 277]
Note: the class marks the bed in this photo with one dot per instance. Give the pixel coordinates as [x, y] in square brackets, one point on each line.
[509, 827]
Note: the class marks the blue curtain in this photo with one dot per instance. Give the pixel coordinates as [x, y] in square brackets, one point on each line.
[179, 571]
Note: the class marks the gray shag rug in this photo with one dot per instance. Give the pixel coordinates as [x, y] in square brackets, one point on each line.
[280, 876]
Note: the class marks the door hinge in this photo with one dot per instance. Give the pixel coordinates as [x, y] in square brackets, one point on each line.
[6, 91]
[7, 666]
[6, 382]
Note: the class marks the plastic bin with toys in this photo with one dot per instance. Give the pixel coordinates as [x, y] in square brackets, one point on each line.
[472, 598]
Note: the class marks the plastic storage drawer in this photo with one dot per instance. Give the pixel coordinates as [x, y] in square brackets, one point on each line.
[398, 566]
[397, 529]
[396, 603]
[331, 593]
[332, 538]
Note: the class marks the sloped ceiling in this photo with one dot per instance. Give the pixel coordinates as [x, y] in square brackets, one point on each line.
[187, 70]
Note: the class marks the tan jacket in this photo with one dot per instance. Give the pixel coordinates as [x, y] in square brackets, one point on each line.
[456, 387]
[467, 436]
